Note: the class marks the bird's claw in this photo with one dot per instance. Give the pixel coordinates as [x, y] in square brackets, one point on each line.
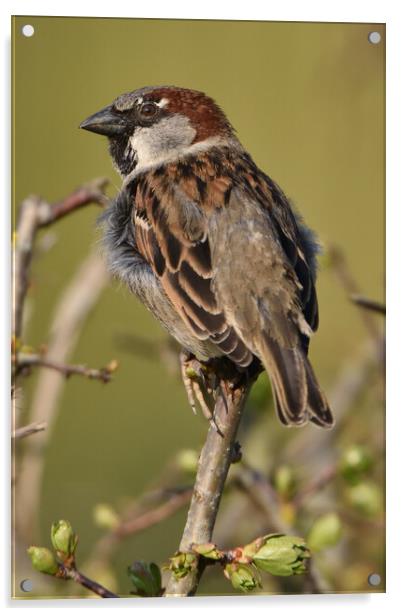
[198, 383]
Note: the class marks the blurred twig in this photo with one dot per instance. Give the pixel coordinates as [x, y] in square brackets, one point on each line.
[34, 214]
[352, 289]
[129, 525]
[351, 380]
[174, 502]
[90, 192]
[319, 482]
[73, 309]
[32, 428]
[262, 494]
[26, 360]
[369, 304]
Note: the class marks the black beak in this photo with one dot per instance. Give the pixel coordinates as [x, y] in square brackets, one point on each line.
[105, 122]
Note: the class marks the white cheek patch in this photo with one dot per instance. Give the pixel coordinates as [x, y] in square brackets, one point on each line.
[163, 141]
[167, 141]
[150, 162]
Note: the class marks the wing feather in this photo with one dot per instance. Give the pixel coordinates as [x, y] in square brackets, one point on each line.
[171, 234]
[269, 300]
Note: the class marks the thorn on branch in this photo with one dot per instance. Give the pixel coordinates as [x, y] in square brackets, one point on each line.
[351, 286]
[369, 304]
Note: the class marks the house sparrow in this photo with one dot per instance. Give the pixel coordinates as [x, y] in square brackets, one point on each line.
[210, 244]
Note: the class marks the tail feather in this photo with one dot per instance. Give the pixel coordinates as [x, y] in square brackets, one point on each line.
[320, 412]
[298, 397]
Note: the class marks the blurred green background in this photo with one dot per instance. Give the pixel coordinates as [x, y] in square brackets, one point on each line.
[307, 101]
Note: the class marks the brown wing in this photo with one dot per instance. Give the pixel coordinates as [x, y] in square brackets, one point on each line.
[300, 247]
[261, 294]
[171, 234]
[297, 241]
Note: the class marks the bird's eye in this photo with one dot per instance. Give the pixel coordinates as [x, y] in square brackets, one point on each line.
[148, 110]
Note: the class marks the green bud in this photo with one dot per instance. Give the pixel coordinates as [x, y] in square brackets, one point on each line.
[366, 497]
[325, 532]
[242, 577]
[146, 579]
[182, 563]
[43, 560]
[208, 550]
[285, 481]
[105, 516]
[355, 461]
[279, 554]
[187, 461]
[63, 538]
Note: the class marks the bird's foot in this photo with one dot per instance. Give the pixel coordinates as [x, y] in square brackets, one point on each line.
[200, 385]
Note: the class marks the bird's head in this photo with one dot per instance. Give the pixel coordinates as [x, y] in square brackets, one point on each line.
[155, 125]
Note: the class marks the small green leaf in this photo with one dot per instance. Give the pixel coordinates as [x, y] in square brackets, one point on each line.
[182, 563]
[242, 577]
[146, 579]
[208, 550]
[281, 555]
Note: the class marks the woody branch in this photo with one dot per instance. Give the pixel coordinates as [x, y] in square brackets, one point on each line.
[216, 456]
